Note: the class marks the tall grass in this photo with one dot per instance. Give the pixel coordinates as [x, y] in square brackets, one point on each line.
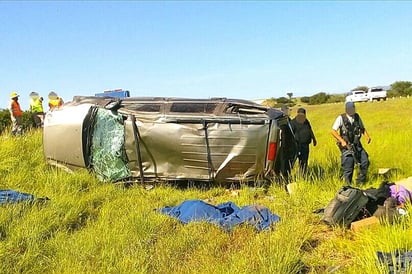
[93, 227]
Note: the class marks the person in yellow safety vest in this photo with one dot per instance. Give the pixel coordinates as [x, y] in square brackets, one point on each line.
[15, 114]
[53, 103]
[36, 109]
[54, 100]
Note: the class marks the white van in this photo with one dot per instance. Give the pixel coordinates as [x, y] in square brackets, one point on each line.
[169, 139]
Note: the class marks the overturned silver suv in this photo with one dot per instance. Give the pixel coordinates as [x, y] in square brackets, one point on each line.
[169, 139]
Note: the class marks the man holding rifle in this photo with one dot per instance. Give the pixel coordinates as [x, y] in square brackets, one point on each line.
[351, 129]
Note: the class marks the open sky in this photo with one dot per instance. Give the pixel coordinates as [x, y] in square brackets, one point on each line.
[250, 50]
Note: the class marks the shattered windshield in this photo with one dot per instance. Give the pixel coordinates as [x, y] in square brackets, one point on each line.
[109, 159]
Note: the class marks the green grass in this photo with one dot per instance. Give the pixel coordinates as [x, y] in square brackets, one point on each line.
[93, 227]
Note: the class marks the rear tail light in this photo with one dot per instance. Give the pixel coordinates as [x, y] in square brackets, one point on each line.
[272, 151]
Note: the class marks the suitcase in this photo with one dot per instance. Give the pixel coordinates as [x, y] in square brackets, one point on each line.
[345, 207]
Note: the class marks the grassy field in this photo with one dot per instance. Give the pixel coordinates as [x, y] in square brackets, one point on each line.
[93, 227]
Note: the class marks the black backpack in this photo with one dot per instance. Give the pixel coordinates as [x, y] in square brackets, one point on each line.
[348, 205]
[380, 195]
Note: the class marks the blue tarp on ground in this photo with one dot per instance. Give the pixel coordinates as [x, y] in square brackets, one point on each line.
[225, 215]
[12, 196]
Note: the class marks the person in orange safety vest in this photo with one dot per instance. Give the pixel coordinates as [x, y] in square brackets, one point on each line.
[15, 114]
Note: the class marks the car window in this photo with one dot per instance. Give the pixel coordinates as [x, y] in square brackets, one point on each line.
[239, 109]
[193, 107]
[150, 107]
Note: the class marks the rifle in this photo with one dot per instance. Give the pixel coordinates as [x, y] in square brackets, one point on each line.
[354, 151]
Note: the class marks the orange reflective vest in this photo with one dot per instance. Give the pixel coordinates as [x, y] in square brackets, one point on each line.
[15, 108]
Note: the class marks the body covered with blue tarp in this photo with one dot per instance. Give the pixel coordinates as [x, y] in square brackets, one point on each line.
[225, 215]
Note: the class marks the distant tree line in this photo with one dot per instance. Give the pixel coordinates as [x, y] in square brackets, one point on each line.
[399, 88]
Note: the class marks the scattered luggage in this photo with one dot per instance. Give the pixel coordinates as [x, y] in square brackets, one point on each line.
[345, 207]
[351, 204]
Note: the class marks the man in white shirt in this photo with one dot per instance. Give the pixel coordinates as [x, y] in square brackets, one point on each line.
[351, 129]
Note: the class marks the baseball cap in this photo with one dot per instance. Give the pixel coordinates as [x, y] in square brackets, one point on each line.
[301, 110]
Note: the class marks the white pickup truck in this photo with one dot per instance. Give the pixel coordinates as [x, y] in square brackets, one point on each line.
[376, 93]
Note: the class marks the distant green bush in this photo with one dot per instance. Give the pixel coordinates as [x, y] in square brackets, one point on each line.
[278, 102]
[392, 93]
[400, 88]
[319, 98]
[5, 120]
[336, 98]
[283, 100]
[322, 98]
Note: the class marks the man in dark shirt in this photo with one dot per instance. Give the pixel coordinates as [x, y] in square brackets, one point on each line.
[304, 136]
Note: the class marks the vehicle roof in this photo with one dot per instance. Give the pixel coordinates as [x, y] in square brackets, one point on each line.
[98, 100]
[221, 101]
[168, 99]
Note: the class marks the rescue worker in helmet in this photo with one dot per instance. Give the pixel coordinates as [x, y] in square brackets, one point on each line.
[15, 114]
[54, 100]
[351, 129]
